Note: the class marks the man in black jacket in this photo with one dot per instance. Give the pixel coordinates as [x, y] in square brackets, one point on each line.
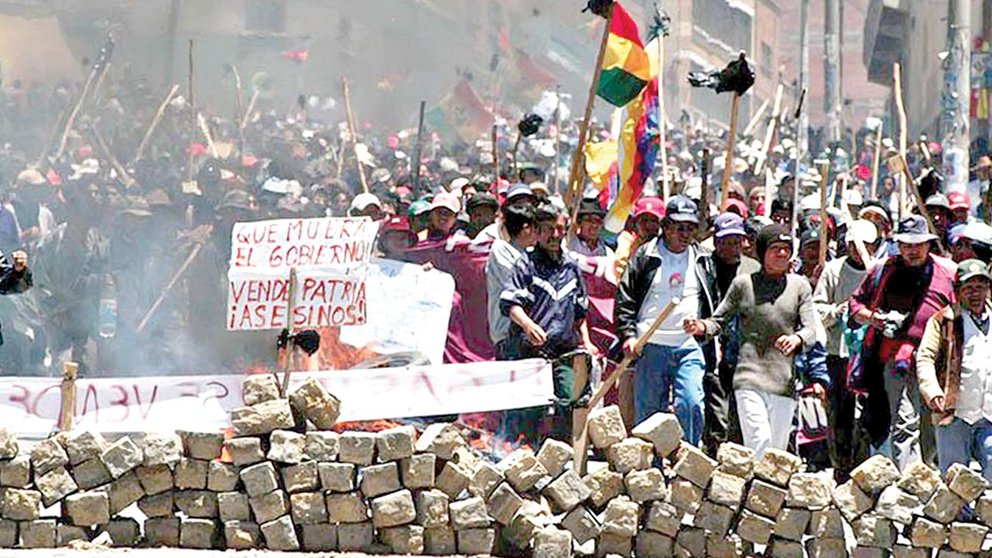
[662, 270]
[726, 262]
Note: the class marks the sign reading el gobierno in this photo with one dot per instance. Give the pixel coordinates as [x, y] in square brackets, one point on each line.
[330, 257]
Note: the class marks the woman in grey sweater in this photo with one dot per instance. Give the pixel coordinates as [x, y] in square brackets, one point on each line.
[770, 304]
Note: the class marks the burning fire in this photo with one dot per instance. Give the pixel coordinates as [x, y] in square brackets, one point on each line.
[481, 430]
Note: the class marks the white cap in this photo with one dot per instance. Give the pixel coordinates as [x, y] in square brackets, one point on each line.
[457, 184]
[446, 200]
[863, 230]
[363, 201]
[810, 202]
[853, 197]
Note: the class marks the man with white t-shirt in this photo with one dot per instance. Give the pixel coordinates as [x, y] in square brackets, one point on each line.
[672, 363]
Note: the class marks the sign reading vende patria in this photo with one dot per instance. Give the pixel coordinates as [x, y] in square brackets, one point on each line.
[330, 257]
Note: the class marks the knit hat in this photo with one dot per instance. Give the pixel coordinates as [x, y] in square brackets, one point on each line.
[770, 235]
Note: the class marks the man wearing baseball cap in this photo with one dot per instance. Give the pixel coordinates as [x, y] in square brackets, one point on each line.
[664, 270]
[721, 267]
[841, 277]
[960, 205]
[590, 222]
[643, 226]
[954, 366]
[895, 301]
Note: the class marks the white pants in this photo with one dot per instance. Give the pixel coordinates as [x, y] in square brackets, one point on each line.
[766, 419]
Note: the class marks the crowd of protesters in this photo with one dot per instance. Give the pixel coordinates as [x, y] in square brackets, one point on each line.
[886, 332]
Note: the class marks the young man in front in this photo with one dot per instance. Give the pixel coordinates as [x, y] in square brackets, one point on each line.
[547, 304]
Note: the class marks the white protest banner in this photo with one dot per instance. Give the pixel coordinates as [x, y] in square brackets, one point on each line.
[408, 310]
[286, 243]
[330, 257]
[30, 406]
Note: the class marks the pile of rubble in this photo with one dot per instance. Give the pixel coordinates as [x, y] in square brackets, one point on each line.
[286, 482]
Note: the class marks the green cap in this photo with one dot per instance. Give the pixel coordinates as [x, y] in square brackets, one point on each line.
[970, 268]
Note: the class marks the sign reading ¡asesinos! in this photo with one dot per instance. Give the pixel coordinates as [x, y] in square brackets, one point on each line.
[330, 256]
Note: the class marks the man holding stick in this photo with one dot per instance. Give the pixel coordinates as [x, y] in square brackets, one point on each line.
[663, 269]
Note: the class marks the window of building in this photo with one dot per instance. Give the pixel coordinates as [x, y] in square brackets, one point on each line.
[266, 16]
[766, 59]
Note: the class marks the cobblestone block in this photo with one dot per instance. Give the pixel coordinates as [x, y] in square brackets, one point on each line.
[567, 491]
[777, 466]
[417, 471]
[268, 507]
[314, 402]
[357, 448]
[765, 499]
[605, 426]
[286, 447]
[245, 451]
[201, 504]
[322, 446]
[301, 478]
[308, 508]
[874, 474]
[646, 486]
[280, 534]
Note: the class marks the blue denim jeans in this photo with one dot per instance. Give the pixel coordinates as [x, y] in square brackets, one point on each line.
[960, 442]
[662, 370]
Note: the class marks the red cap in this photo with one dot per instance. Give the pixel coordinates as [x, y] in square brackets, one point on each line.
[958, 200]
[738, 207]
[397, 223]
[651, 205]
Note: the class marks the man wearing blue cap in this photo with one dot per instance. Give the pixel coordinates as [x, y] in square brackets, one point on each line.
[662, 270]
[726, 262]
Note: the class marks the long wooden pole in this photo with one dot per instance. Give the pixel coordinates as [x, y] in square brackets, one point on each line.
[192, 115]
[729, 161]
[824, 179]
[104, 148]
[557, 183]
[920, 202]
[666, 181]
[172, 283]
[415, 164]
[352, 133]
[155, 122]
[756, 118]
[903, 130]
[574, 193]
[770, 131]
[580, 431]
[875, 161]
[71, 120]
[494, 137]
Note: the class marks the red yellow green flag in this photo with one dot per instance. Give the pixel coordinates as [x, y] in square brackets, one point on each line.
[626, 69]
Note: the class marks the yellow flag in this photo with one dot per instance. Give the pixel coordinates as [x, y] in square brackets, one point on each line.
[600, 156]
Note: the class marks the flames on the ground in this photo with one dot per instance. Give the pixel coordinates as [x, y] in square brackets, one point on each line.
[482, 432]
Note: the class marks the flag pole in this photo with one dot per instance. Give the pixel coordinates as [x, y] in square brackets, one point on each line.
[574, 193]
[666, 186]
[557, 140]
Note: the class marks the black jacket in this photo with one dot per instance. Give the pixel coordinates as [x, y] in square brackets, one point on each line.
[636, 281]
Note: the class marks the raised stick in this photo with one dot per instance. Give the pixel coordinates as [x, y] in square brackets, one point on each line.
[757, 117]
[495, 139]
[351, 132]
[68, 406]
[172, 283]
[573, 194]
[729, 161]
[192, 116]
[415, 164]
[770, 130]
[202, 123]
[249, 110]
[903, 131]
[876, 159]
[557, 182]
[580, 435]
[155, 122]
[666, 184]
[104, 149]
[824, 178]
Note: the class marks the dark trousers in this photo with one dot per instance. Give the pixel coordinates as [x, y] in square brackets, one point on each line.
[533, 424]
[720, 423]
[848, 446]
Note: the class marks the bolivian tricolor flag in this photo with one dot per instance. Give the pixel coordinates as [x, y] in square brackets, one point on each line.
[626, 69]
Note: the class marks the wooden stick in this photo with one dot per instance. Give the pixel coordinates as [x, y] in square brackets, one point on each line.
[600, 393]
[704, 202]
[202, 123]
[249, 110]
[288, 364]
[415, 163]
[876, 159]
[192, 116]
[866, 258]
[770, 130]
[494, 136]
[729, 162]
[920, 202]
[824, 178]
[666, 181]
[757, 117]
[903, 130]
[68, 407]
[155, 122]
[104, 148]
[352, 132]
[513, 156]
[172, 283]
[573, 194]
[75, 113]
[557, 182]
